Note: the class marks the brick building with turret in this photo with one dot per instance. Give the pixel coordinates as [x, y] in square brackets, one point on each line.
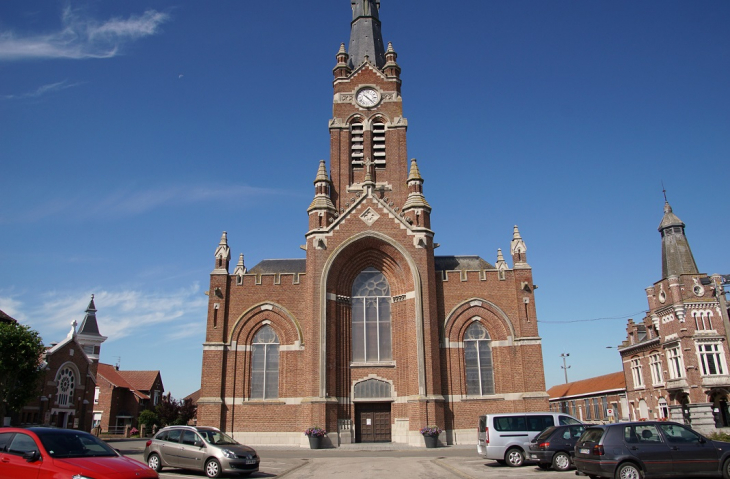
[676, 359]
[371, 335]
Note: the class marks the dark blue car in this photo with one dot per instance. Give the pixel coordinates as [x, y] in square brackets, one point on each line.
[635, 450]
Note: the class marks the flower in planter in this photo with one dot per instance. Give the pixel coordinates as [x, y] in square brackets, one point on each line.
[431, 431]
[315, 431]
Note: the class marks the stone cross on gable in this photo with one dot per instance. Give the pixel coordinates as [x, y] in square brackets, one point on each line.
[368, 164]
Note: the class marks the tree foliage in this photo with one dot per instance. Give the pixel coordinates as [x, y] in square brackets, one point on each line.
[21, 350]
[149, 419]
[173, 412]
[188, 410]
[168, 410]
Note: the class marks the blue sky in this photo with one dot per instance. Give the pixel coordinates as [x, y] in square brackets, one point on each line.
[133, 133]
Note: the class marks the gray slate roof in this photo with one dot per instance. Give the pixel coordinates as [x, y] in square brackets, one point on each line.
[365, 36]
[89, 326]
[461, 263]
[277, 266]
[443, 263]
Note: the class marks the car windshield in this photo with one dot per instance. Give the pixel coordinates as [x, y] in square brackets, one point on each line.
[216, 437]
[62, 444]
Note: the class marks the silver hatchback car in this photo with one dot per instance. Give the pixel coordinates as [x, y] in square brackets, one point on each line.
[204, 449]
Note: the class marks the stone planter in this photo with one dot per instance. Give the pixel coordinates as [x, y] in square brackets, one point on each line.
[431, 441]
[315, 442]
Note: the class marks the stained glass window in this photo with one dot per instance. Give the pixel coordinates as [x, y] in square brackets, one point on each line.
[265, 364]
[478, 361]
[66, 381]
[371, 322]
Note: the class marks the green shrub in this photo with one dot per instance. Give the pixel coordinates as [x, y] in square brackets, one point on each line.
[719, 436]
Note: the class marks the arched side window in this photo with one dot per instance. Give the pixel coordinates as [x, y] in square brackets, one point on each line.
[265, 364]
[478, 361]
[66, 384]
[371, 323]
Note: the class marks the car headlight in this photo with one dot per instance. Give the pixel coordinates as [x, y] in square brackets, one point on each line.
[228, 453]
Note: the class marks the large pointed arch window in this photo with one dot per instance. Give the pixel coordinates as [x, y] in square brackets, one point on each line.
[66, 384]
[478, 361]
[371, 323]
[265, 364]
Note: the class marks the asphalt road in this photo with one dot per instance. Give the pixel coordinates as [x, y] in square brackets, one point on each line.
[407, 462]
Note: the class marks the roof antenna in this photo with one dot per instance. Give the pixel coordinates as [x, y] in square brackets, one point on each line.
[119, 361]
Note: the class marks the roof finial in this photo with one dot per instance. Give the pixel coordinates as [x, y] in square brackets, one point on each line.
[664, 190]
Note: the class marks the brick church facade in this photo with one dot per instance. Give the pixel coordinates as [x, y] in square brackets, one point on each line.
[371, 336]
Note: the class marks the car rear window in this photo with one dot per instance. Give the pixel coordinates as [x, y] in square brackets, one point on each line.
[5, 440]
[544, 435]
[482, 423]
[522, 423]
[510, 423]
[643, 433]
[174, 435]
[592, 435]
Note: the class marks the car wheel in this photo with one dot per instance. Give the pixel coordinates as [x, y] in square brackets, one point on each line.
[515, 457]
[628, 470]
[726, 469]
[154, 462]
[213, 468]
[561, 461]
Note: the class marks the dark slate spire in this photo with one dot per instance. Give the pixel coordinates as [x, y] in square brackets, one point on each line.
[676, 254]
[89, 324]
[366, 40]
[88, 334]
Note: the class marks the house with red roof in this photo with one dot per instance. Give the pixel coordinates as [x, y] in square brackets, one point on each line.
[122, 395]
[601, 399]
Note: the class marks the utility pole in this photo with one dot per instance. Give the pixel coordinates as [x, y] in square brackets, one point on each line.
[564, 366]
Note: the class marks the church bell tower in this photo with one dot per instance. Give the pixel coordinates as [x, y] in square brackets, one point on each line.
[367, 130]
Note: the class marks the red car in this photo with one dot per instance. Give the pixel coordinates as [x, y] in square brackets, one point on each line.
[47, 453]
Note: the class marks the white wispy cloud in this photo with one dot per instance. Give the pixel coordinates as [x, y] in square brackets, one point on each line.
[81, 37]
[42, 90]
[129, 202]
[122, 313]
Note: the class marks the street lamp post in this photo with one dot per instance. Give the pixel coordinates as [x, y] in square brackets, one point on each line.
[565, 366]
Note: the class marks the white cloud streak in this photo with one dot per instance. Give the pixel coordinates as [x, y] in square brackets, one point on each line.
[42, 90]
[80, 37]
[126, 203]
[180, 314]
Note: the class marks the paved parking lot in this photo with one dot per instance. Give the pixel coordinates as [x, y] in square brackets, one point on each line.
[355, 463]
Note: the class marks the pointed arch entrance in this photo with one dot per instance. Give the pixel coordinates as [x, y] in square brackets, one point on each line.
[371, 326]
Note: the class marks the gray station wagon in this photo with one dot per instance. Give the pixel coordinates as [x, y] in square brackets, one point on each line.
[199, 448]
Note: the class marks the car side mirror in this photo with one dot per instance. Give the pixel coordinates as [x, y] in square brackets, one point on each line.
[31, 456]
[702, 440]
[199, 443]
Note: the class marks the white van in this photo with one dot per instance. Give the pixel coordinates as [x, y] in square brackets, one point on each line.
[505, 437]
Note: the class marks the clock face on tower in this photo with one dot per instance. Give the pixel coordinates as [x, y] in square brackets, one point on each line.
[367, 97]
